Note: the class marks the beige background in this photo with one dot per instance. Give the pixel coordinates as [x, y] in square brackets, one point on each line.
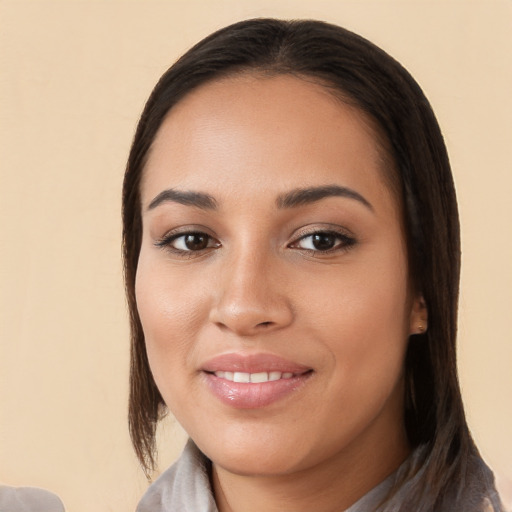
[74, 76]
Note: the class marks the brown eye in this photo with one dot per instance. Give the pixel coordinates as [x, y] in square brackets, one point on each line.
[193, 241]
[323, 241]
[196, 241]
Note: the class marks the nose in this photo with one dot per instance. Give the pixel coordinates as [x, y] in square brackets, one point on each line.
[250, 298]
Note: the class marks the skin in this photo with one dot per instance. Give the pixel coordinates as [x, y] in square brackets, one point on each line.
[261, 285]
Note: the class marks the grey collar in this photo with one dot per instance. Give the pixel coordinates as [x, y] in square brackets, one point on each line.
[185, 487]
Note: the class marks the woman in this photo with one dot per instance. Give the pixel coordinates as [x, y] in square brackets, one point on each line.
[292, 259]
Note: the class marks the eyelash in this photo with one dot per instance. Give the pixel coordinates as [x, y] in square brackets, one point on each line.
[343, 242]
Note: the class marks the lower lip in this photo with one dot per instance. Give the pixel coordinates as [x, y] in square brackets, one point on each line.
[243, 395]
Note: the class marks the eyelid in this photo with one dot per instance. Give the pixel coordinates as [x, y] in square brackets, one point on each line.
[183, 230]
[322, 228]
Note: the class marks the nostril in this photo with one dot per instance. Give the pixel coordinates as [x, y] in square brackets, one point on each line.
[264, 324]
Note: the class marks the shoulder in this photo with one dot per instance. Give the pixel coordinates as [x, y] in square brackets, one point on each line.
[28, 499]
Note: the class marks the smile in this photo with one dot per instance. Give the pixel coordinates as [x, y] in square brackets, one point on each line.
[256, 378]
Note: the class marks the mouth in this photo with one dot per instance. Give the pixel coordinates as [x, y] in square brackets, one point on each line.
[254, 381]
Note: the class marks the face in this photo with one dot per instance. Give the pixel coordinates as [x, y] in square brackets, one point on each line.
[272, 282]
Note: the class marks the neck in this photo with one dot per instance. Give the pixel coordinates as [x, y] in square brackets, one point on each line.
[332, 485]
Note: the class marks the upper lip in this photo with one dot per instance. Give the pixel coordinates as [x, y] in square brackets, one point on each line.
[253, 363]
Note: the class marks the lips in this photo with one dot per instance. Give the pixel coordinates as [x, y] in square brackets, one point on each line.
[253, 363]
[253, 381]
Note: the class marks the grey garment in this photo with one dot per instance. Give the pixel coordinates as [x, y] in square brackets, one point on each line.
[185, 487]
[372, 499]
[28, 499]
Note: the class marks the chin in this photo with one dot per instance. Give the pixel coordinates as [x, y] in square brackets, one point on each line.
[252, 453]
[262, 465]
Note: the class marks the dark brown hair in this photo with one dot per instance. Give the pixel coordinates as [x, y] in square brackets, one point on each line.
[379, 86]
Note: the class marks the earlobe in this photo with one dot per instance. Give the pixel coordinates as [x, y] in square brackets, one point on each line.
[419, 316]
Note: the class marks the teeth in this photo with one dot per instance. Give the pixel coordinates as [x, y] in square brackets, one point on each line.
[259, 377]
[241, 377]
[253, 377]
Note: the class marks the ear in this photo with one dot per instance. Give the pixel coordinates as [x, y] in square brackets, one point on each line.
[418, 323]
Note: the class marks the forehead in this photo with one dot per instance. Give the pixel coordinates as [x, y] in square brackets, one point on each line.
[253, 122]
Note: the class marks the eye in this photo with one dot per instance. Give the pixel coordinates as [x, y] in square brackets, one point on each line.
[323, 241]
[189, 242]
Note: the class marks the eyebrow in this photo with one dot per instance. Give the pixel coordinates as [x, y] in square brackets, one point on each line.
[292, 199]
[303, 196]
[185, 197]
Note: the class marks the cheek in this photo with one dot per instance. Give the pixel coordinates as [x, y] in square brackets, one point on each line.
[364, 318]
[171, 314]
[369, 299]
